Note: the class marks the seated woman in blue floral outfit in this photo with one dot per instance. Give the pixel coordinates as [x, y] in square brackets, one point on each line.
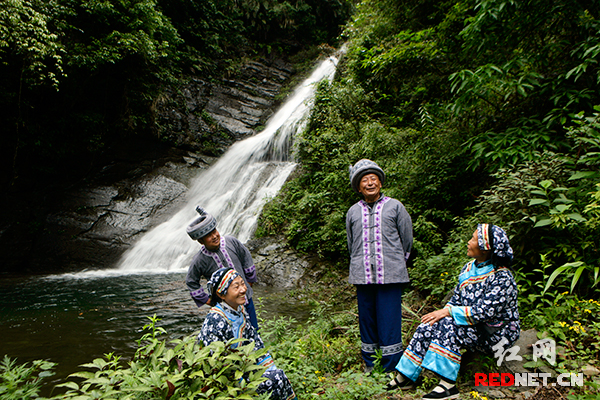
[227, 319]
[482, 313]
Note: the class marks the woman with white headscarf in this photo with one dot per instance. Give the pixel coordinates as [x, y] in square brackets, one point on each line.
[481, 315]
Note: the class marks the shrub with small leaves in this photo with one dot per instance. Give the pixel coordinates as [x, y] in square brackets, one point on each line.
[185, 372]
[22, 382]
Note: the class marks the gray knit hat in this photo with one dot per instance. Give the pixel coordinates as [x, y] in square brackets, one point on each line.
[201, 226]
[363, 167]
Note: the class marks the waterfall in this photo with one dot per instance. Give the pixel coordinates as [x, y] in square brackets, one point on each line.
[234, 189]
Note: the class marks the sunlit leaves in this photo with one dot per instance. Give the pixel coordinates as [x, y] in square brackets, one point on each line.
[25, 31]
[22, 382]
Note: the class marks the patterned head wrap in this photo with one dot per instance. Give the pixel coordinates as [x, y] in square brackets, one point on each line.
[219, 282]
[201, 226]
[492, 237]
[362, 168]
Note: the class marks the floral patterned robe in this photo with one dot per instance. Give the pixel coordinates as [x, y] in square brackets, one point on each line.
[223, 323]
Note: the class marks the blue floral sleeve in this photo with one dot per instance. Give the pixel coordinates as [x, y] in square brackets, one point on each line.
[484, 297]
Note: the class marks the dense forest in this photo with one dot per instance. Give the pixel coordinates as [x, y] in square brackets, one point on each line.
[477, 110]
[80, 79]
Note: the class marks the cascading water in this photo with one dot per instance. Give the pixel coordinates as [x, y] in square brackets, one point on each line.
[70, 319]
[234, 189]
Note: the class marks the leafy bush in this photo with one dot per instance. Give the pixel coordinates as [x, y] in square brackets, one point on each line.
[186, 371]
[575, 326]
[22, 382]
[322, 356]
[550, 207]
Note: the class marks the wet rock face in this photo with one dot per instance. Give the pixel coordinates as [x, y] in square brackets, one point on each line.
[277, 264]
[91, 226]
[94, 225]
[205, 116]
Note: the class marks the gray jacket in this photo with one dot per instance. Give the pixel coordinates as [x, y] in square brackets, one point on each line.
[232, 253]
[380, 239]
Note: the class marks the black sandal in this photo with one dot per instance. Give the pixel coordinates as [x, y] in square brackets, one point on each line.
[406, 384]
[447, 394]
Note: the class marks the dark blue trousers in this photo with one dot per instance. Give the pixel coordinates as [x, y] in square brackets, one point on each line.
[252, 313]
[380, 322]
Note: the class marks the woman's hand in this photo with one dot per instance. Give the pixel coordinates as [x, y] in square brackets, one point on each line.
[434, 316]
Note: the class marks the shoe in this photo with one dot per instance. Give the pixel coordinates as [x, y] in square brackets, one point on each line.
[405, 384]
[445, 394]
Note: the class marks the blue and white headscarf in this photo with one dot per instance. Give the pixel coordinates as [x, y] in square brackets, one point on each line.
[221, 280]
[492, 237]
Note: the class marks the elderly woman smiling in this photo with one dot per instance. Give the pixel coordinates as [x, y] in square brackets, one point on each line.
[227, 319]
[482, 312]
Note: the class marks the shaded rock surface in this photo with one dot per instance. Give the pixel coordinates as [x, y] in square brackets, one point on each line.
[277, 264]
[91, 224]
[94, 224]
[206, 116]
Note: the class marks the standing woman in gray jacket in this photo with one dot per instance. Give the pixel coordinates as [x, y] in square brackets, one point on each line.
[380, 237]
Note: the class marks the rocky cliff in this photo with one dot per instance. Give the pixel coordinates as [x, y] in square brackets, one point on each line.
[90, 225]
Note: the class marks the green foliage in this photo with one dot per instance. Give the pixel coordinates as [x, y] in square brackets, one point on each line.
[583, 395]
[532, 66]
[80, 77]
[127, 28]
[354, 385]
[574, 325]
[22, 382]
[321, 357]
[185, 371]
[520, 143]
[549, 208]
[570, 207]
[302, 20]
[26, 33]
[437, 275]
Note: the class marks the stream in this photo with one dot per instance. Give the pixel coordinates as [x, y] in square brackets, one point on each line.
[70, 319]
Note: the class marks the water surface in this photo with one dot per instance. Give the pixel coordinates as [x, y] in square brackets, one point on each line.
[72, 319]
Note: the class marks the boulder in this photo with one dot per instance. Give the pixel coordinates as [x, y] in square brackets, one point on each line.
[277, 264]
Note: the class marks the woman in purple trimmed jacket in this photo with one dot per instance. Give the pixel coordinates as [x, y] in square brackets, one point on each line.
[380, 238]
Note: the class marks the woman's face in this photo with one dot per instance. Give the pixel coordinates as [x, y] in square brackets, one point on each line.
[474, 251]
[236, 294]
